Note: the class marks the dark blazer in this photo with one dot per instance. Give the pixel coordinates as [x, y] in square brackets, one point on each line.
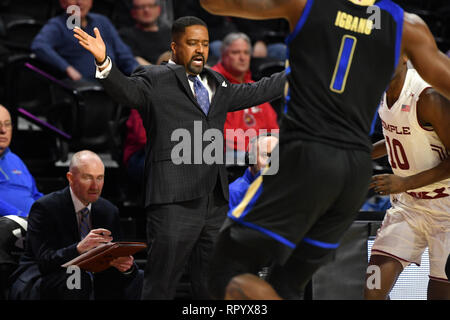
[53, 235]
[165, 102]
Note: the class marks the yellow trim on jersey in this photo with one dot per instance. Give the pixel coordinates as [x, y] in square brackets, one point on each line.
[237, 212]
[364, 3]
[251, 191]
[286, 86]
[350, 59]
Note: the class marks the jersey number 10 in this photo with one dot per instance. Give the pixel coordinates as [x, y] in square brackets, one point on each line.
[394, 149]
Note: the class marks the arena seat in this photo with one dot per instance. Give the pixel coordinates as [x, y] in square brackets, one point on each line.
[18, 32]
[40, 10]
[87, 121]
[24, 86]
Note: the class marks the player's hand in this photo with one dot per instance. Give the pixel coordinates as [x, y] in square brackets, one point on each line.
[123, 264]
[96, 46]
[94, 238]
[385, 184]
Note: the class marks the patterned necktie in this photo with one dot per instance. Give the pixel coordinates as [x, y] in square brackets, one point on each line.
[84, 223]
[201, 93]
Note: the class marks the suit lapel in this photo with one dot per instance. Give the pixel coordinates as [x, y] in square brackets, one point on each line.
[70, 219]
[211, 75]
[180, 72]
[96, 217]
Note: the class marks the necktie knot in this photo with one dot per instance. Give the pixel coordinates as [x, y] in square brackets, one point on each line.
[201, 93]
[192, 78]
[84, 212]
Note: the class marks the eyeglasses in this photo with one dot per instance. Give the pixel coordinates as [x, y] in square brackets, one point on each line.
[143, 6]
[5, 124]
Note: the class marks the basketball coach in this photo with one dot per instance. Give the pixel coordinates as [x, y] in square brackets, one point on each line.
[185, 203]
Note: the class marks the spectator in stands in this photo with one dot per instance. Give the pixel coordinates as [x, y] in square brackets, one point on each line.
[148, 39]
[18, 192]
[258, 156]
[164, 57]
[134, 152]
[134, 147]
[235, 66]
[56, 46]
[65, 224]
[18, 189]
[218, 26]
[266, 36]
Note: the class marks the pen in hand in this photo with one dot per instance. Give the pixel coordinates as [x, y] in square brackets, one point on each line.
[94, 238]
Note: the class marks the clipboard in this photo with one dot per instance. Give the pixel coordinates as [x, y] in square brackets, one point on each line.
[98, 259]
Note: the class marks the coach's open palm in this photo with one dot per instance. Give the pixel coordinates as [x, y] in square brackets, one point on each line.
[96, 46]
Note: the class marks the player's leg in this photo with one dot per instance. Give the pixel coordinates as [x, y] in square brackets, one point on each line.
[241, 250]
[400, 241]
[234, 266]
[290, 280]
[271, 212]
[438, 235]
[380, 282]
[318, 244]
[438, 289]
[249, 287]
[447, 267]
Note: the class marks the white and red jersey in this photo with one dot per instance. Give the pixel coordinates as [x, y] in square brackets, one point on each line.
[412, 148]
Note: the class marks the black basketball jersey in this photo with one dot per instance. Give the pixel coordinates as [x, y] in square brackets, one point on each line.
[341, 58]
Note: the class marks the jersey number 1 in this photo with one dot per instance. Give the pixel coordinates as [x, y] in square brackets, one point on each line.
[343, 64]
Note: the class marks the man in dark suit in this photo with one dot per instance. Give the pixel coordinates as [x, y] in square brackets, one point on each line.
[186, 195]
[65, 224]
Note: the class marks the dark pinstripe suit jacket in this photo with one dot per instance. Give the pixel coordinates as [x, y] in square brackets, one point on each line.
[165, 101]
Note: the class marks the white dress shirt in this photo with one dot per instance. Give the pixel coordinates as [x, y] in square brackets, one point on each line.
[78, 205]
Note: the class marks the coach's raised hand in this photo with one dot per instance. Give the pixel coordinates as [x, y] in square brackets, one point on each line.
[96, 46]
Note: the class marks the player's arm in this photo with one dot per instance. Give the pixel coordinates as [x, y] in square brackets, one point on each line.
[419, 46]
[379, 149]
[432, 109]
[257, 9]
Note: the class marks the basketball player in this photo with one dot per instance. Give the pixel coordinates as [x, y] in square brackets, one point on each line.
[415, 120]
[342, 55]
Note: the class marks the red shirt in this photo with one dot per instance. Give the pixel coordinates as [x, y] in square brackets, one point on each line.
[136, 136]
[256, 118]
